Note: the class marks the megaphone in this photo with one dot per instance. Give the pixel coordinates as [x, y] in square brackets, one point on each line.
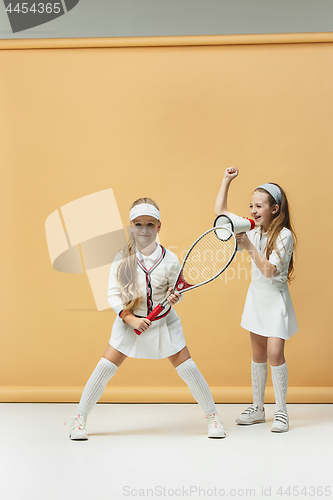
[239, 225]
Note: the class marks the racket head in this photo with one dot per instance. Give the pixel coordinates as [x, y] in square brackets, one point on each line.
[223, 222]
[206, 259]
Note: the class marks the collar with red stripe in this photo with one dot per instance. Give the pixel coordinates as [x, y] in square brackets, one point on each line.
[159, 260]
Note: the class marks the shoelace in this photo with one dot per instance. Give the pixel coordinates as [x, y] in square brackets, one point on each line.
[213, 419]
[281, 416]
[78, 423]
[251, 409]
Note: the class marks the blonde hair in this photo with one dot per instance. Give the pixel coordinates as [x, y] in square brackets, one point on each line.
[127, 270]
[281, 219]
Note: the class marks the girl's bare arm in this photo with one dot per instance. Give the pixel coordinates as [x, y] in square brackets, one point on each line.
[222, 196]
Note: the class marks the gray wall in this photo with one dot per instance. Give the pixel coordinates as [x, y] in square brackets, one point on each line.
[123, 18]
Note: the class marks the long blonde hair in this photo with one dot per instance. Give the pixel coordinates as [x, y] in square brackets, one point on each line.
[281, 219]
[127, 270]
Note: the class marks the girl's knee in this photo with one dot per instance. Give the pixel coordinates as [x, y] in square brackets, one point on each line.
[259, 354]
[259, 348]
[275, 351]
[275, 357]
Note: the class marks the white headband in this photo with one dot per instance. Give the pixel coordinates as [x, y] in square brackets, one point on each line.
[274, 191]
[144, 209]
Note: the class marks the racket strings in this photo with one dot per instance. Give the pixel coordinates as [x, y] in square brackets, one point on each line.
[207, 258]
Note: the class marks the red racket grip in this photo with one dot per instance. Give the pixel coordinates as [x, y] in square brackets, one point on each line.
[153, 315]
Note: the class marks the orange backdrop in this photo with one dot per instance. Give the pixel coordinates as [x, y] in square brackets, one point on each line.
[162, 122]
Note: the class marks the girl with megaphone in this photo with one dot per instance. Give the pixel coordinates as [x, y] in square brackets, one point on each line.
[268, 312]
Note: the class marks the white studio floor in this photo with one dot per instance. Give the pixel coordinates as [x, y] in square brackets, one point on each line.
[162, 451]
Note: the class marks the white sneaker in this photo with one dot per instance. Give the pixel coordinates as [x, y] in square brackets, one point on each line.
[252, 415]
[281, 421]
[78, 430]
[215, 426]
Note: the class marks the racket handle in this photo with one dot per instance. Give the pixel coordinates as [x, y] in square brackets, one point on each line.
[153, 315]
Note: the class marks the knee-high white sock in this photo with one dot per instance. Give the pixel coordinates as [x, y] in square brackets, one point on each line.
[189, 372]
[259, 378]
[95, 386]
[280, 383]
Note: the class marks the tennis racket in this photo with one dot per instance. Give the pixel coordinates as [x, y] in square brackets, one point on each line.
[207, 258]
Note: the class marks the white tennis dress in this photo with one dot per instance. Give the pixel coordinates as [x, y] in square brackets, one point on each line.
[156, 273]
[268, 309]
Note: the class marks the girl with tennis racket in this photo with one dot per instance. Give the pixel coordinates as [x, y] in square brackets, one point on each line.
[268, 312]
[140, 277]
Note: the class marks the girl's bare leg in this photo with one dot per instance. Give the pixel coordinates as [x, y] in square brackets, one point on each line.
[180, 357]
[275, 351]
[259, 348]
[114, 356]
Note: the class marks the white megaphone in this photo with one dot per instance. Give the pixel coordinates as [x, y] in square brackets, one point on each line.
[239, 225]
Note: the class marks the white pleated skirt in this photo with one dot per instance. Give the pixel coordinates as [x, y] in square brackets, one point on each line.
[269, 311]
[162, 339]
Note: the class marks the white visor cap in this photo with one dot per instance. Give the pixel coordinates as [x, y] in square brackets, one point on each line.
[144, 209]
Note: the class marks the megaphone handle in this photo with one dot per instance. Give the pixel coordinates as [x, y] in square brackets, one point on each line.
[239, 250]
